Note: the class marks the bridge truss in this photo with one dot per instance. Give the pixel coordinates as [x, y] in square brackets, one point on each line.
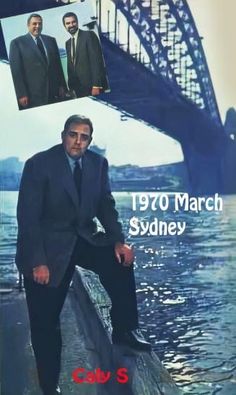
[162, 35]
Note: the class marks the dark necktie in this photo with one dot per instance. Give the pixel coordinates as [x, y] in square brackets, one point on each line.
[77, 175]
[41, 48]
[73, 50]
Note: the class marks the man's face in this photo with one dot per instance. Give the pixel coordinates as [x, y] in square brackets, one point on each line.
[35, 26]
[71, 24]
[76, 139]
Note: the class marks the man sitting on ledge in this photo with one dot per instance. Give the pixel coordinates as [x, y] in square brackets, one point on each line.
[62, 191]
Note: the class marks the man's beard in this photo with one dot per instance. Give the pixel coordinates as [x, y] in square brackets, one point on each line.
[73, 30]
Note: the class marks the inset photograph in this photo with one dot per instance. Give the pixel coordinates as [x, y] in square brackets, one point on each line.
[55, 55]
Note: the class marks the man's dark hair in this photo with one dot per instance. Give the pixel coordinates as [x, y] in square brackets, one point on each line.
[69, 15]
[79, 120]
[33, 16]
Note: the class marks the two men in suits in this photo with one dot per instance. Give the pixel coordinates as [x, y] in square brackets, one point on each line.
[85, 63]
[36, 67]
[63, 190]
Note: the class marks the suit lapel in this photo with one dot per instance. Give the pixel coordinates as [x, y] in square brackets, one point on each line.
[78, 45]
[68, 50]
[66, 176]
[87, 182]
[47, 46]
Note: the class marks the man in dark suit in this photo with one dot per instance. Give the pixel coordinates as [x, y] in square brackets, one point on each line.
[63, 190]
[85, 63]
[36, 67]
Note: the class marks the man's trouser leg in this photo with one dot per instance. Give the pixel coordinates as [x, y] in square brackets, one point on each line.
[117, 280]
[44, 306]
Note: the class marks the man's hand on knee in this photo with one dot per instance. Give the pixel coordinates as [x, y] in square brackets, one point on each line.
[124, 254]
[41, 274]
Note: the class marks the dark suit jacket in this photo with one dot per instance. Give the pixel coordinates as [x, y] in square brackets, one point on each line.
[32, 76]
[89, 68]
[50, 217]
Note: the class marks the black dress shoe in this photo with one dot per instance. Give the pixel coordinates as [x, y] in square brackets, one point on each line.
[133, 339]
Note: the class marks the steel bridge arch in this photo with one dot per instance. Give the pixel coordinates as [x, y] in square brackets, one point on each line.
[167, 32]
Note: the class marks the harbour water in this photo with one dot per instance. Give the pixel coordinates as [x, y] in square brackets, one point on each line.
[185, 287]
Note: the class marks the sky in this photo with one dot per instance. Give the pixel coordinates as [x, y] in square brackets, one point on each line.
[215, 21]
[24, 133]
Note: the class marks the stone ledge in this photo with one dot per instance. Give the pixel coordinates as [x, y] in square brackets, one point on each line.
[147, 376]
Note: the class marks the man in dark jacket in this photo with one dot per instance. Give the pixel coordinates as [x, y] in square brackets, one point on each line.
[85, 63]
[63, 190]
[36, 67]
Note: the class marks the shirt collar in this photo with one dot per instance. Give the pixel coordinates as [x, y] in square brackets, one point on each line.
[72, 161]
[34, 37]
